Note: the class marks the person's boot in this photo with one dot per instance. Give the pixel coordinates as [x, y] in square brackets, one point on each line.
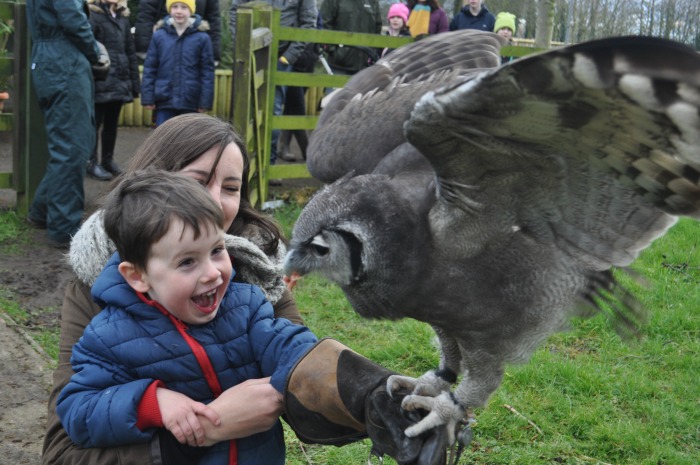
[303, 140]
[96, 171]
[109, 164]
[283, 146]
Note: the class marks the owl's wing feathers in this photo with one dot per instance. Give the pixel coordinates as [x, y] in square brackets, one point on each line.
[392, 87]
[595, 146]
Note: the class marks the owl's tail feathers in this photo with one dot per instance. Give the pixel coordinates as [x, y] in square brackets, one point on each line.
[607, 292]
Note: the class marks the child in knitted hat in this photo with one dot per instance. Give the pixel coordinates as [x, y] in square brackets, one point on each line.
[505, 25]
[397, 19]
[178, 74]
[191, 4]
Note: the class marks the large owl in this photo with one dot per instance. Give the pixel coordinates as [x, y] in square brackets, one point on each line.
[491, 202]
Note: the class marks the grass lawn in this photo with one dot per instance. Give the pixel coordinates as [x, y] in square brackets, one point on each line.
[585, 397]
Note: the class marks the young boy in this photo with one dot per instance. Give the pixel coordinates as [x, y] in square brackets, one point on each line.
[178, 74]
[174, 331]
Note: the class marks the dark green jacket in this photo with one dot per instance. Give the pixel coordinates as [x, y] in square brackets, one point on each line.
[352, 16]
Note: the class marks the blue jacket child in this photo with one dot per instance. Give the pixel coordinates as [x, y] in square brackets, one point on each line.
[131, 344]
[178, 73]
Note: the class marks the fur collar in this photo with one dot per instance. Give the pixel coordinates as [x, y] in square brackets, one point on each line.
[90, 249]
[95, 6]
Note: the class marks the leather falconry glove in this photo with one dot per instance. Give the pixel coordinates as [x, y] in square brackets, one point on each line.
[336, 396]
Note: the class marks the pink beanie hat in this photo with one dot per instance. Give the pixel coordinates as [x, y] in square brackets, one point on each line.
[400, 10]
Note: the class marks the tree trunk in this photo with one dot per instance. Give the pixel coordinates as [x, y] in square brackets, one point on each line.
[543, 28]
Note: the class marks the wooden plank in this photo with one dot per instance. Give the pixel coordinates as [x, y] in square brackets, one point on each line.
[5, 66]
[6, 180]
[326, 36]
[294, 122]
[311, 80]
[296, 170]
[519, 51]
[6, 10]
[6, 121]
[261, 37]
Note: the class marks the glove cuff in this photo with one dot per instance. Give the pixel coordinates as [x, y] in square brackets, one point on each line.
[326, 394]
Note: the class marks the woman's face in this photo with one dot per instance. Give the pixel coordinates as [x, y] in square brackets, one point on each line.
[225, 184]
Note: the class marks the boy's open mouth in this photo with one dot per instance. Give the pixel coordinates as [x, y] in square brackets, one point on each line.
[206, 302]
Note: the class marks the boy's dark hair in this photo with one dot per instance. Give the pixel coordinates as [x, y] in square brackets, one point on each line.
[139, 211]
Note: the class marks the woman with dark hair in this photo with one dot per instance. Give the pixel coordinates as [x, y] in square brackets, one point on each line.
[427, 17]
[210, 151]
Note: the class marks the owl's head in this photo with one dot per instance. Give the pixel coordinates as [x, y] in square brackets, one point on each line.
[354, 233]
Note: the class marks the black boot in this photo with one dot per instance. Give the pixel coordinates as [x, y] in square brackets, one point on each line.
[109, 164]
[96, 171]
[283, 146]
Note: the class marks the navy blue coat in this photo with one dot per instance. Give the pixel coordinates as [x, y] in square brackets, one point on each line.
[484, 21]
[179, 70]
[130, 344]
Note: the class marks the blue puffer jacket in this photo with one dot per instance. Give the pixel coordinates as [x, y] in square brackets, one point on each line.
[130, 344]
[179, 70]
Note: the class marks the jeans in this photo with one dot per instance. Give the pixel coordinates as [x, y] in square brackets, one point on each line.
[166, 113]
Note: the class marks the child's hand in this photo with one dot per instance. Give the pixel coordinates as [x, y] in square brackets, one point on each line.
[149, 107]
[201, 110]
[179, 414]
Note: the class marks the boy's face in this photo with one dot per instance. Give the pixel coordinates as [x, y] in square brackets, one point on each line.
[189, 276]
[180, 13]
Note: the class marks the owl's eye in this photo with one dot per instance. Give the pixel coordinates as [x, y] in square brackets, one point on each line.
[319, 246]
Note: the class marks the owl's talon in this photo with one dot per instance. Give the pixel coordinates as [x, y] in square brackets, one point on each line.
[396, 383]
[444, 410]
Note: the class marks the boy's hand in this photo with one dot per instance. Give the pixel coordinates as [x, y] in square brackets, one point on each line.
[179, 414]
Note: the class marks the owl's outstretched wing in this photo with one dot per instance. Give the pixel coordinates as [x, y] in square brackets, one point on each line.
[364, 120]
[594, 147]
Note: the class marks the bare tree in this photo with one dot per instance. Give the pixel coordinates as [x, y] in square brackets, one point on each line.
[543, 27]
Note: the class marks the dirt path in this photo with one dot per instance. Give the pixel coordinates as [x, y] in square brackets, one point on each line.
[34, 274]
[26, 380]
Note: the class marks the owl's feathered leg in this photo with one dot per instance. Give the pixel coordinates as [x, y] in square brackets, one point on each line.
[431, 391]
[483, 375]
[433, 382]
